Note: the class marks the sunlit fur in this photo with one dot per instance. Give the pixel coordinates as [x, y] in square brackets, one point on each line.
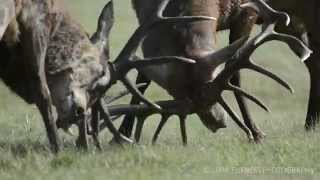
[72, 61]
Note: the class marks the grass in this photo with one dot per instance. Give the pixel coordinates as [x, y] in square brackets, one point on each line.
[24, 150]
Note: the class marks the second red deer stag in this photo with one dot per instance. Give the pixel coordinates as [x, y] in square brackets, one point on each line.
[197, 88]
[305, 26]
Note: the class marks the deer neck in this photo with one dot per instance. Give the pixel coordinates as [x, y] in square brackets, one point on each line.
[200, 36]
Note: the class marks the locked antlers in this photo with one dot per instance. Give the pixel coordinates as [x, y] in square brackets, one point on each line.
[127, 59]
[237, 55]
[241, 59]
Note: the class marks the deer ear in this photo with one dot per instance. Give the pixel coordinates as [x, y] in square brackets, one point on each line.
[7, 13]
[101, 37]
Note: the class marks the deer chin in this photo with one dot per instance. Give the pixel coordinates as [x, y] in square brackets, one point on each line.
[214, 118]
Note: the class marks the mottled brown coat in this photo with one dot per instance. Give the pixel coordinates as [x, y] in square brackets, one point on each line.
[47, 59]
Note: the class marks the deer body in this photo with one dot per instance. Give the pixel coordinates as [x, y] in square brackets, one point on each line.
[43, 48]
[306, 16]
[195, 40]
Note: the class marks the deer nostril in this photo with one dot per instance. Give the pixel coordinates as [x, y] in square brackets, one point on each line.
[79, 111]
[79, 102]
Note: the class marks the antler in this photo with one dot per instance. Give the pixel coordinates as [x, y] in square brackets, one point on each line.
[127, 59]
[242, 60]
[271, 17]
[171, 107]
[238, 56]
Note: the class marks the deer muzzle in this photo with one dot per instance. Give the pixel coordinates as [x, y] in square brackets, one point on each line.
[213, 118]
[73, 110]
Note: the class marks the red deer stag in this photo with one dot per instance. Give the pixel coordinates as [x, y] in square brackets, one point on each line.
[48, 59]
[199, 86]
[305, 26]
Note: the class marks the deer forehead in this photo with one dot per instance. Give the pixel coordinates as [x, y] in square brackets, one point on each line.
[83, 65]
[71, 50]
[69, 47]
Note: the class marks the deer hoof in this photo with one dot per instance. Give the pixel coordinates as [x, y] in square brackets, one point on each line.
[259, 137]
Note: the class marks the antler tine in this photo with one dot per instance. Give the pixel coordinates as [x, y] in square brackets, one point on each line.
[135, 92]
[298, 47]
[184, 19]
[104, 125]
[267, 12]
[236, 118]
[271, 18]
[107, 119]
[247, 95]
[276, 78]
[110, 99]
[169, 107]
[242, 60]
[222, 81]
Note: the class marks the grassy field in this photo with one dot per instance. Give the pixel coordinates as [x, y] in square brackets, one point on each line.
[287, 153]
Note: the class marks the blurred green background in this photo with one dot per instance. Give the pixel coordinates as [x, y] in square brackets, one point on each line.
[23, 145]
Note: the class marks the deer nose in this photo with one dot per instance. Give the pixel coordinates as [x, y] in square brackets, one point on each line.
[79, 111]
[79, 103]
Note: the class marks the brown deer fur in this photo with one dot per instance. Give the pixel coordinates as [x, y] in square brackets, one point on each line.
[42, 31]
[43, 45]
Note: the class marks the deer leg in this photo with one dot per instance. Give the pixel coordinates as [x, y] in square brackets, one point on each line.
[127, 124]
[39, 40]
[95, 126]
[183, 130]
[50, 125]
[139, 127]
[118, 137]
[313, 114]
[241, 27]
[163, 121]
[256, 132]
[82, 141]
